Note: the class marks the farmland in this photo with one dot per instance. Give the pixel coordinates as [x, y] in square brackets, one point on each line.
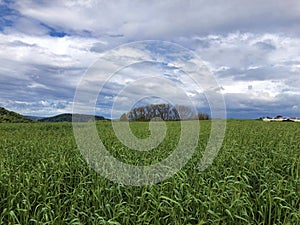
[254, 179]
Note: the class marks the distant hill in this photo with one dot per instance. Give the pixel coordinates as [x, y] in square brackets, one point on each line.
[67, 117]
[35, 118]
[7, 116]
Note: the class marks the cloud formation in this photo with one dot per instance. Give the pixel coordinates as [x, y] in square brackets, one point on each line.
[252, 47]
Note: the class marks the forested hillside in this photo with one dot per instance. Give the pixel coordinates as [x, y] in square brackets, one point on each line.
[7, 116]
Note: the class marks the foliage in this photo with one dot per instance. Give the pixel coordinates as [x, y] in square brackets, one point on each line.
[12, 117]
[164, 112]
[254, 179]
[203, 116]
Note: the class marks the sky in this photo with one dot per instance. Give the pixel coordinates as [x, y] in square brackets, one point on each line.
[252, 48]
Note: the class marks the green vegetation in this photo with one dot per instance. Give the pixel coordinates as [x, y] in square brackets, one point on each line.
[165, 112]
[12, 117]
[254, 180]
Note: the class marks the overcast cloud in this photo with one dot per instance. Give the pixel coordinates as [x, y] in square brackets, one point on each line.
[252, 47]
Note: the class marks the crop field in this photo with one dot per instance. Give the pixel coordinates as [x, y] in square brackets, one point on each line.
[253, 180]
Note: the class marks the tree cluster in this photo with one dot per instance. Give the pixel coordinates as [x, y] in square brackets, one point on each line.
[165, 112]
[203, 116]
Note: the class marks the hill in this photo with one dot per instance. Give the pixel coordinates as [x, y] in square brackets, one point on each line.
[7, 116]
[67, 117]
[35, 118]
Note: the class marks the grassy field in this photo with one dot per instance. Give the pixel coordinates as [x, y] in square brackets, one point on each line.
[254, 179]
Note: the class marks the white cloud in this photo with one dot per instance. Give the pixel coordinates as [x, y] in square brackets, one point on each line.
[37, 85]
[65, 51]
[141, 19]
[253, 51]
[40, 108]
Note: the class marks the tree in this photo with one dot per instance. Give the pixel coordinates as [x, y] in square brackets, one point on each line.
[163, 111]
[203, 116]
[123, 117]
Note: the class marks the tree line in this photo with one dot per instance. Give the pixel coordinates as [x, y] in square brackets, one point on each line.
[165, 112]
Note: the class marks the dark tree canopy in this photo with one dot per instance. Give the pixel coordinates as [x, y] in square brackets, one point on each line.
[165, 112]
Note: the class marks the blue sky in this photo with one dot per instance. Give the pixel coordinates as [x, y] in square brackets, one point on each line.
[252, 48]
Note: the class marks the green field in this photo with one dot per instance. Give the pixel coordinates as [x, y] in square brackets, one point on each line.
[254, 179]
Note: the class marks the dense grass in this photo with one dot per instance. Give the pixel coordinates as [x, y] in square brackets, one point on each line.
[254, 180]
